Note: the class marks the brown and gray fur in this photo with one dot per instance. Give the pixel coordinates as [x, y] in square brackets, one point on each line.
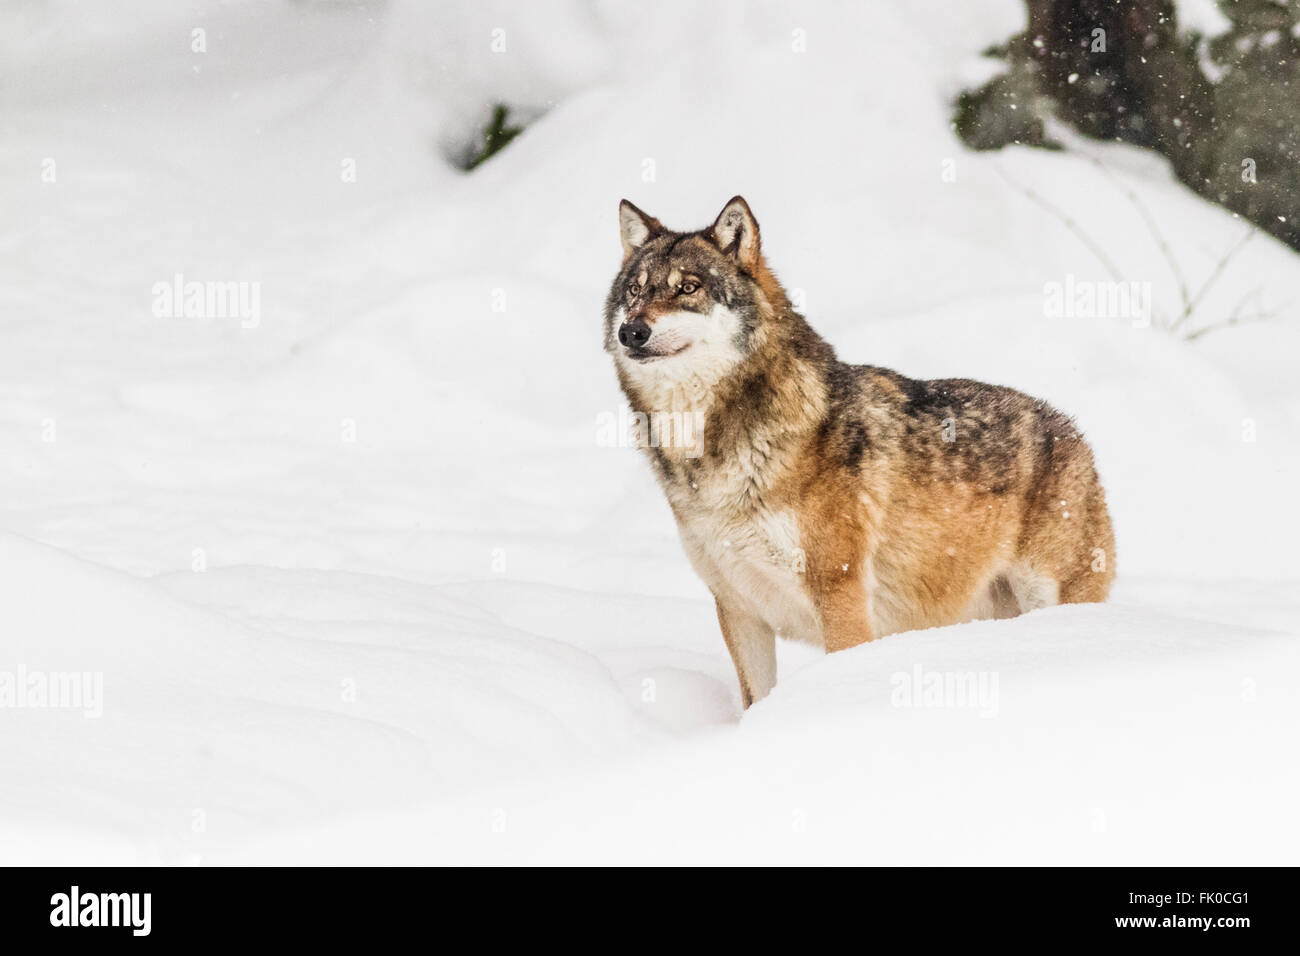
[837, 503]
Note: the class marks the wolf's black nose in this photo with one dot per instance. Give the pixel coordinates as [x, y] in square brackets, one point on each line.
[634, 334]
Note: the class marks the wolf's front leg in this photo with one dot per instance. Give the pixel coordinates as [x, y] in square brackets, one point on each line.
[842, 607]
[753, 650]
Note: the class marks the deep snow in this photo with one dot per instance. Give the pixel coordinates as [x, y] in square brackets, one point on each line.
[364, 584]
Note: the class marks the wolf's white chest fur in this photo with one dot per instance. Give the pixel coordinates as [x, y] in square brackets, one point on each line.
[753, 559]
[747, 552]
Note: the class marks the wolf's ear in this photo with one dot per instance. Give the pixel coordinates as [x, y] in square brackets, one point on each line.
[635, 227]
[735, 232]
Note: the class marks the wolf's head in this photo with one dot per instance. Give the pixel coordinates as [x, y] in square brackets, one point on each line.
[688, 306]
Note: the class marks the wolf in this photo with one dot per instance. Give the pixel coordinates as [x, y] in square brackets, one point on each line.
[834, 503]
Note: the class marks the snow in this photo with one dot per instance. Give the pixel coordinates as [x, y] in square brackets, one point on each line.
[1202, 16]
[363, 584]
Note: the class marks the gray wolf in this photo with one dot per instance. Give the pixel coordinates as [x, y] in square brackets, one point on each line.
[836, 503]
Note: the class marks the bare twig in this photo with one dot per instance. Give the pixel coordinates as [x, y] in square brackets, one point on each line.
[1228, 323]
[1214, 277]
[1235, 317]
[1070, 224]
[1152, 227]
[1189, 302]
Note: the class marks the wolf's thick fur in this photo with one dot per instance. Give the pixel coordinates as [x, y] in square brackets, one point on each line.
[837, 503]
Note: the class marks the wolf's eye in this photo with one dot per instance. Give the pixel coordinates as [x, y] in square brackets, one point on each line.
[634, 289]
[686, 288]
